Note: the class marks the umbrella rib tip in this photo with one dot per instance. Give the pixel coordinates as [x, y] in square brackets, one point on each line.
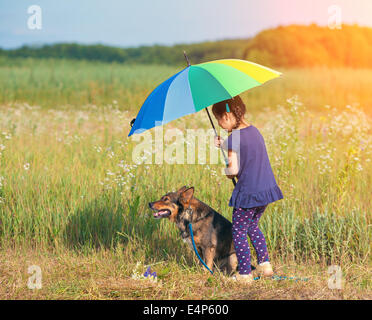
[132, 122]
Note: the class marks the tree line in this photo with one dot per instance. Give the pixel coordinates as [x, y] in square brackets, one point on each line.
[284, 46]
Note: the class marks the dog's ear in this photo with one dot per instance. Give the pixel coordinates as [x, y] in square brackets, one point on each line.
[182, 190]
[187, 195]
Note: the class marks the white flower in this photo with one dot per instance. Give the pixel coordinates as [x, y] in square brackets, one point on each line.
[97, 148]
[26, 166]
[110, 173]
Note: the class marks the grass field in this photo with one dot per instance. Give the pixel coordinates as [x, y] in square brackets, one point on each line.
[57, 83]
[73, 202]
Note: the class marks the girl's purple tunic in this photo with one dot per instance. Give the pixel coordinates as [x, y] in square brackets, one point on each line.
[256, 184]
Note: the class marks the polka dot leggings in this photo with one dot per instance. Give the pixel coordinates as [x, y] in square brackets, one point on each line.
[245, 221]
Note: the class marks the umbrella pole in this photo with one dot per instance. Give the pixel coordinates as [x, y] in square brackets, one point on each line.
[223, 152]
[187, 59]
[210, 119]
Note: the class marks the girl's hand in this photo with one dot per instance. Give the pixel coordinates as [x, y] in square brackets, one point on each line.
[218, 141]
[232, 169]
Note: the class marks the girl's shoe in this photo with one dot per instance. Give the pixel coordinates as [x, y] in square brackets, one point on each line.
[243, 278]
[264, 269]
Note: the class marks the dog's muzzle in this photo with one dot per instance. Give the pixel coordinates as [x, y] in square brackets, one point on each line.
[162, 213]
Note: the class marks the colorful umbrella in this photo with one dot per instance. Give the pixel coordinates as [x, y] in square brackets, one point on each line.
[198, 86]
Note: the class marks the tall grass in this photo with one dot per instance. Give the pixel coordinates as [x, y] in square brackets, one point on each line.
[67, 180]
[53, 83]
[57, 83]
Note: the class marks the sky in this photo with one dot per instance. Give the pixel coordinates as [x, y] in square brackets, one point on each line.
[125, 23]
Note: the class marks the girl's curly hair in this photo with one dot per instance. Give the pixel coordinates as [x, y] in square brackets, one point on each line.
[236, 107]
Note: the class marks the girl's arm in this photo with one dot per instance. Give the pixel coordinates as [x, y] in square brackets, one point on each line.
[232, 169]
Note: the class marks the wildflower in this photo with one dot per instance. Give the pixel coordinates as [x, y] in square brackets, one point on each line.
[26, 166]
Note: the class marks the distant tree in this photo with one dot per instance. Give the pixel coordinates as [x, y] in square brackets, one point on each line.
[307, 46]
[289, 46]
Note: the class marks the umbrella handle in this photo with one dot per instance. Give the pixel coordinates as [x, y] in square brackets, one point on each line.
[210, 119]
[223, 152]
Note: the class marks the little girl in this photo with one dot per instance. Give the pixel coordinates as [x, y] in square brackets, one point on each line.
[256, 186]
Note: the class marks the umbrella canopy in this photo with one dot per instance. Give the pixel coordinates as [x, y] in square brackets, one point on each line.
[197, 87]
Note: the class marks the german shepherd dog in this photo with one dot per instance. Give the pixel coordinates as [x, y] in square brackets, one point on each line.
[212, 232]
